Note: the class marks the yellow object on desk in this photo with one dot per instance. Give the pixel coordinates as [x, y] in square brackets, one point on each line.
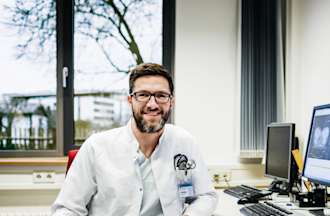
[299, 161]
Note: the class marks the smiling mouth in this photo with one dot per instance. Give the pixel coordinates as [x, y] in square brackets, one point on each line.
[151, 114]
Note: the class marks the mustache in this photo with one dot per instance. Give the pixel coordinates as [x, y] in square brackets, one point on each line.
[153, 110]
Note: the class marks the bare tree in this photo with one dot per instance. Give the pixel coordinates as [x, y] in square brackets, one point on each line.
[99, 20]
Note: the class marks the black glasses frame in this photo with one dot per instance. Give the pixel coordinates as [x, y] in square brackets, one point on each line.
[169, 97]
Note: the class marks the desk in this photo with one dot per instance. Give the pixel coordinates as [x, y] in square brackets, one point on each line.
[228, 205]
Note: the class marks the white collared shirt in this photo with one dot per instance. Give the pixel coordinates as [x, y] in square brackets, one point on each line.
[150, 205]
[105, 179]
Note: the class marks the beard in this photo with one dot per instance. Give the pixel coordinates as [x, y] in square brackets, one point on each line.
[146, 127]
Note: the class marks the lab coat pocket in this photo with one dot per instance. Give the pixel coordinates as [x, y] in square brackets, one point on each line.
[173, 202]
[174, 207]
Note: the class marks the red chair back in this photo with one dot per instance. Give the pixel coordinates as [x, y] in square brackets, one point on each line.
[71, 156]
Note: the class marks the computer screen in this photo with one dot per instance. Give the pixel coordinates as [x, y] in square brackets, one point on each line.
[280, 143]
[317, 157]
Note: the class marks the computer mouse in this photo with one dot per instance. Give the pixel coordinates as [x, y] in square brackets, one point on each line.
[242, 201]
[246, 200]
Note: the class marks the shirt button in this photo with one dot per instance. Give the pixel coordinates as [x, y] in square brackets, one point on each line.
[140, 189]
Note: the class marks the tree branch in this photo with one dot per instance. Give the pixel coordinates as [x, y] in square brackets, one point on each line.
[108, 18]
[109, 59]
[36, 22]
[132, 45]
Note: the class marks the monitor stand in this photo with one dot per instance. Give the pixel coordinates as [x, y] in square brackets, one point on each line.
[279, 187]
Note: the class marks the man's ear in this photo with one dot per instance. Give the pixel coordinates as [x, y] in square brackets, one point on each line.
[129, 99]
[172, 102]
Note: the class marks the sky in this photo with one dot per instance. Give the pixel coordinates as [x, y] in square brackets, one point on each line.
[34, 75]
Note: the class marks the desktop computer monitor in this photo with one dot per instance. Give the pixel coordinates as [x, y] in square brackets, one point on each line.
[317, 157]
[280, 164]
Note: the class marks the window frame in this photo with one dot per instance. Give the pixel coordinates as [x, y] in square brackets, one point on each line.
[65, 59]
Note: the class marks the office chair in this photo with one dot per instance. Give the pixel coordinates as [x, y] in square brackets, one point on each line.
[71, 155]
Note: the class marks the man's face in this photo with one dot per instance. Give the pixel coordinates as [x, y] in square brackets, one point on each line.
[150, 116]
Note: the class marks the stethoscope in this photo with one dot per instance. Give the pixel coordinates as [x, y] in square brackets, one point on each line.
[181, 162]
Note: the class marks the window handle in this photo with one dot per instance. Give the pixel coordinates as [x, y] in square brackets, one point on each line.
[65, 74]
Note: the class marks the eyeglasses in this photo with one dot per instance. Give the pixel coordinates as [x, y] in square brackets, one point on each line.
[160, 97]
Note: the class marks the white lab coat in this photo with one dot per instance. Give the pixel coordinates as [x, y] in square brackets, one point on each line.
[104, 178]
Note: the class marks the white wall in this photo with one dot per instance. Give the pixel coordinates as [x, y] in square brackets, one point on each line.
[206, 76]
[308, 61]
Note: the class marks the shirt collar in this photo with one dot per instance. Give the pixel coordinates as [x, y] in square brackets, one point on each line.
[161, 143]
[135, 144]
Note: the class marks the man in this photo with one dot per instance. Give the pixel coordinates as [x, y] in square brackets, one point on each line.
[146, 168]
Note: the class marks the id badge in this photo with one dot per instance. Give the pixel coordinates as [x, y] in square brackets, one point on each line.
[185, 184]
[186, 190]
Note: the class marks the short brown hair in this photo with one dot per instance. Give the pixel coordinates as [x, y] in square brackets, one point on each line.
[149, 69]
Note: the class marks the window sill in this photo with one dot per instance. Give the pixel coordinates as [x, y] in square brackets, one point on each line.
[31, 186]
[46, 161]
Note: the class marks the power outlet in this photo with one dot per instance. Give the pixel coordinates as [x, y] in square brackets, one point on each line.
[225, 176]
[43, 177]
[220, 177]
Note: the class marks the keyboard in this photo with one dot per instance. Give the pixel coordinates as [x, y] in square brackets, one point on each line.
[248, 192]
[318, 212]
[264, 209]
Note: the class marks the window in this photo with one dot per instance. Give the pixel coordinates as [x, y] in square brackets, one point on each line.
[69, 64]
[118, 34]
[28, 76]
